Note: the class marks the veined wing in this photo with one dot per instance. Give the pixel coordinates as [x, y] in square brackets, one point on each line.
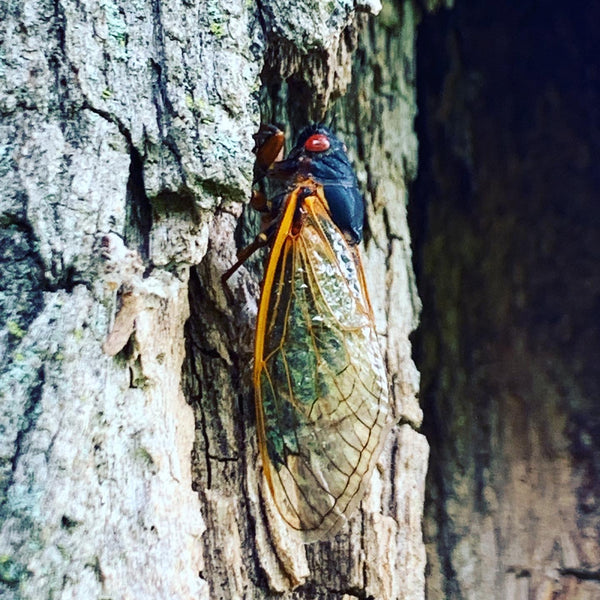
[321, 388]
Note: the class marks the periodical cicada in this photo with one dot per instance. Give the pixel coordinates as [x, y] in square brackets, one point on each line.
[321, 391]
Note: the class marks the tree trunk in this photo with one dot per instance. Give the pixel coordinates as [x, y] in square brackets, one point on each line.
[129, 464]
[506, 222]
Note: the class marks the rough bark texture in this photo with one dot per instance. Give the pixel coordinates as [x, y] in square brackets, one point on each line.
[507, 214]
[248, 551]
[125, 159]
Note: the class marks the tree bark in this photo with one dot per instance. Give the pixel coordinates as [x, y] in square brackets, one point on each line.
[506, 222]
[128, 460]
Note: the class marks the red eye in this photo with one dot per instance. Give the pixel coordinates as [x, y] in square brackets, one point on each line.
[318, 142]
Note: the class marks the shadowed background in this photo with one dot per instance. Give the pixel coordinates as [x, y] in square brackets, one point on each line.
[505, 218]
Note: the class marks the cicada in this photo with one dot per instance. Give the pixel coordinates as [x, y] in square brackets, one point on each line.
[321, 390]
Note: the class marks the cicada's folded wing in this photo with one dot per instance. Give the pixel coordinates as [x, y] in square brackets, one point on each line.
[321, 388]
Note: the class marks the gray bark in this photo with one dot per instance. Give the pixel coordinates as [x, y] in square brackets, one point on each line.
[128, 459]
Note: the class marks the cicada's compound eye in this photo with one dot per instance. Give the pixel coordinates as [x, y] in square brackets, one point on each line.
[318, 142]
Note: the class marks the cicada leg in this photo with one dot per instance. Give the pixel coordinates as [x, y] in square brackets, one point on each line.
[268, 148]
[261, 240]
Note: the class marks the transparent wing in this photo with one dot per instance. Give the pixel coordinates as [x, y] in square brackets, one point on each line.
[321, 386]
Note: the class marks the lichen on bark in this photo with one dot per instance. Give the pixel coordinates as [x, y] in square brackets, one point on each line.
[126, 161]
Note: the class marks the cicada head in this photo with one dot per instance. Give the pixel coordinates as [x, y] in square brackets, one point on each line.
[320, 156]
